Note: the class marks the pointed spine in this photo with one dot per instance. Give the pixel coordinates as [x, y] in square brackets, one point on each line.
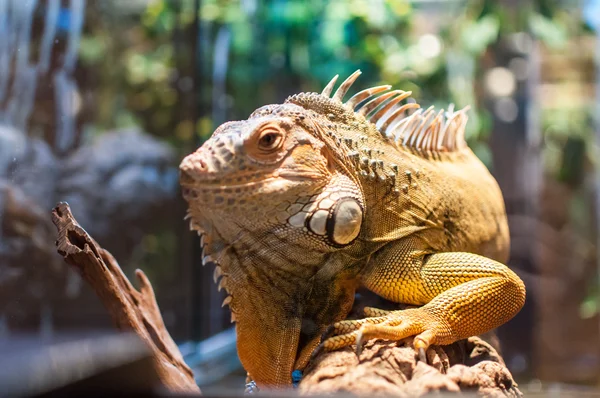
[424, 130]
[218, 272]
[345, 86]
[395, 116]
[329, 87]
[375, 102]
[385, 109]
[364, 94]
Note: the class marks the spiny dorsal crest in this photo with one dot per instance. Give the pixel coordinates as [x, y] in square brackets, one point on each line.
[428, 130]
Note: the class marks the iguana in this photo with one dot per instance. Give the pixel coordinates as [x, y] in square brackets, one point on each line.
[305, 201]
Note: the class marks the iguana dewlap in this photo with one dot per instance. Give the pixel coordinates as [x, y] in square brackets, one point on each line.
[307, 200]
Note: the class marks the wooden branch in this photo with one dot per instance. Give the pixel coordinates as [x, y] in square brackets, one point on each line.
[130, 309]
[390, 368]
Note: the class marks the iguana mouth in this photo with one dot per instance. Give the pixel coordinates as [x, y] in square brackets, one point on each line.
[216, 185]
[194, 189]
[192, 177]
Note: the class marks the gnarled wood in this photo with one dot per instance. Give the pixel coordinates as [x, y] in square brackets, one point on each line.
[130, 309]
[390, 368]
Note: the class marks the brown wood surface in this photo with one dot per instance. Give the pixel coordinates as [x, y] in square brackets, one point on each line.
[131, 309]
[390, 368]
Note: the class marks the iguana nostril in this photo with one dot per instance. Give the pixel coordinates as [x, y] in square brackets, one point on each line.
[185, 177]
[192, 164]
[201, 164]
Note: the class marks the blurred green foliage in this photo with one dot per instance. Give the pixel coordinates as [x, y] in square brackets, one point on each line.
[178, 68]
[145, 60]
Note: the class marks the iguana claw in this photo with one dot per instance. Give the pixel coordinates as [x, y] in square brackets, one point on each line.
[422, 355]
[359, 343]
[328, 332]
[317, 351]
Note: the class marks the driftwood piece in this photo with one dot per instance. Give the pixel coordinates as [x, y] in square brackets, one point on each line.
[390, 368]
[130, 309]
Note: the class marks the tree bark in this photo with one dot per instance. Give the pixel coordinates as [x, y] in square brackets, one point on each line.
[390, 368]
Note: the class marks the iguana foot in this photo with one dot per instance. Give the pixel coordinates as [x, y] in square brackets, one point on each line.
[420, 322]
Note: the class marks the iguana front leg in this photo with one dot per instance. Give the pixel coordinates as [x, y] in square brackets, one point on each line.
[461, 294]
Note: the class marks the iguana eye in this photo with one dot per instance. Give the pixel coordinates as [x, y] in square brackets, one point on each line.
[266, 142]
[270, 139]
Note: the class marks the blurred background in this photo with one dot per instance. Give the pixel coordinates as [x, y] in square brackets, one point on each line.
[100, 100]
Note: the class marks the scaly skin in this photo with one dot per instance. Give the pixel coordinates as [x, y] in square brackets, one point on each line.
[306, 201]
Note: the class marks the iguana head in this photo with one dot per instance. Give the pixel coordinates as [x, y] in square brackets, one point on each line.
[274, 198]
[259, 173]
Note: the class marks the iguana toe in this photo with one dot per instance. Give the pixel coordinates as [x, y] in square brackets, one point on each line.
[375, 312]
[395, 325]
